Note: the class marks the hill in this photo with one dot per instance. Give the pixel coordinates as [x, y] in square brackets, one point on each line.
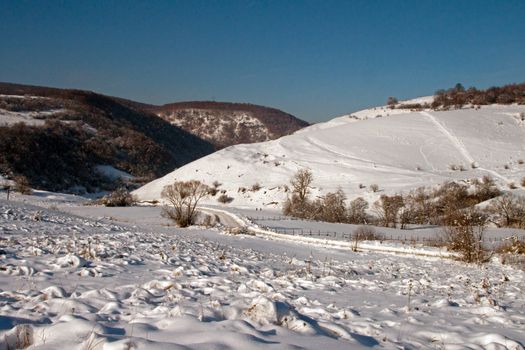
[224, 124]
[58, 138]
[405, 150]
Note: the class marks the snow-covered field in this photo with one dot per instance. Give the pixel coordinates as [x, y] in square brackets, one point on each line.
[81, 277]
[398, 152]
[89, 277]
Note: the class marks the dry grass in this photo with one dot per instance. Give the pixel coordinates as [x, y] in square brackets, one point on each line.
[512, 246]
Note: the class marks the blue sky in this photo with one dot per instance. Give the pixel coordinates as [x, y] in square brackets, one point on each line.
[314, 59]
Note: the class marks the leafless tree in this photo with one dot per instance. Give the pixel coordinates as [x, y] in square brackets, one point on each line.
[331, 207]
[357, 211]
[387, 209]
[510, 210]
[301, 183]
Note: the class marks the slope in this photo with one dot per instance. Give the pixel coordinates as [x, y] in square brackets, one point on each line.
[225, 124]
[56, 137]
[399, 153]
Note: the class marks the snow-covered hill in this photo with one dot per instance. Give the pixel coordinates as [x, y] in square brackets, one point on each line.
[397, 152]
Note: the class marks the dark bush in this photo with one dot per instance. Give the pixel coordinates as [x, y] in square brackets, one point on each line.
[224, 199]
[457, 97]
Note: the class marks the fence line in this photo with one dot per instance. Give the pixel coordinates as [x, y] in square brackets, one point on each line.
[349, 235]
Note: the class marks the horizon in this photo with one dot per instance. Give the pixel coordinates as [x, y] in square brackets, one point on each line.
[314, 60]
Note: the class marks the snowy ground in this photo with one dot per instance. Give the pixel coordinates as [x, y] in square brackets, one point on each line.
[97, 278]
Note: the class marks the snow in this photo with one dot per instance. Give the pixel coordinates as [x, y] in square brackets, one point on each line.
[29, 118]
[370, 113]
[113, 173]
[399, 153]
[113, 278]
[90, 277]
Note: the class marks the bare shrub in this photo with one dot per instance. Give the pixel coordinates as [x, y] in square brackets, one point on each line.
[224, 199]
[118, 198]
[513, 245]
[364, 233]
[374, 187]
[184, 197]
[512, 185]
[19, 337]
[523, 182]
[464, 234]
[22, 185]
[509, 211]
[485, 189]
[256, 187]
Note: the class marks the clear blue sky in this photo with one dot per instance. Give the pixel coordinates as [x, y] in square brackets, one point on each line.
[314, 59]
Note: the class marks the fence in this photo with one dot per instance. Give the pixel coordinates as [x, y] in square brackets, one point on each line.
[335, 235]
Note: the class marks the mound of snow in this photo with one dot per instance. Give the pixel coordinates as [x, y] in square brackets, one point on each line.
[397, 153]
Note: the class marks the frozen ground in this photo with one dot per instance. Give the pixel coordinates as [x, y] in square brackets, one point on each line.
[96, 278]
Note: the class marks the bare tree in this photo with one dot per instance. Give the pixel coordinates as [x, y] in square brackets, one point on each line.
[387, 209]
[298, 204]
[357, 211]
[184, 197]
[331, 207]
[301, 183]
[510, 210]
[391, 101]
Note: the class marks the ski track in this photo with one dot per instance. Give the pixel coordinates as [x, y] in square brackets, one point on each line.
[456, 142]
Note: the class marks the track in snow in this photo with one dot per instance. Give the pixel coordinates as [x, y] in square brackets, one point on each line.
[460, 146]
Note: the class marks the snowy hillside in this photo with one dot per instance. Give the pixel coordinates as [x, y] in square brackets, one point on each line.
[397, 152]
